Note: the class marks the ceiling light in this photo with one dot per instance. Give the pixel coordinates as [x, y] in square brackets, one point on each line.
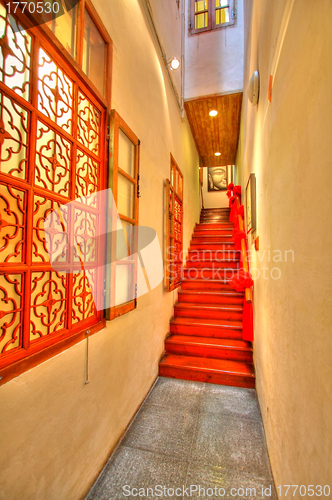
[213, 112]
[217, 154]
[174, 63]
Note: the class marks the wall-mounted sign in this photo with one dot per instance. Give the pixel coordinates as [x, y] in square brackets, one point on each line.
[251, 204]
[217, 179]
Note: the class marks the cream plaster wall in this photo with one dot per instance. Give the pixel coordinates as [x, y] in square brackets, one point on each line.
[287, 144]
[213, 199]
[214, 59]
[57, 432]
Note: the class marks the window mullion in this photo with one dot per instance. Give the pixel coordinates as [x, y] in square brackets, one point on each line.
[80, 32]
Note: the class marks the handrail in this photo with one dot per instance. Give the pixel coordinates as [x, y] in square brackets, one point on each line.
[248, 291]
[202, 195]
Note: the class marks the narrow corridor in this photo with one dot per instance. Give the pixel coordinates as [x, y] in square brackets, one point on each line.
[191, 440]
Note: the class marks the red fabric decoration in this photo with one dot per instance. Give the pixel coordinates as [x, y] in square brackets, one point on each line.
[240, 211]
[241, 280]
[237, 190]
[232, 214]
[237, 236]
[231, 200]
[248, 322]
[230, 186]
[229, 194]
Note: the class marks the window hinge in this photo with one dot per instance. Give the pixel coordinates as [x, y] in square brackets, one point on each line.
[138, 193]
[234, 14]
[136, 287]
[108, 136]
[190, 25]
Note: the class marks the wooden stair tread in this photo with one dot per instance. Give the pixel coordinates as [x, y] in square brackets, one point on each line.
[208, 307]
[213, 294]
[218, 323]
[200, 281]
[208, 364]
[210, 341]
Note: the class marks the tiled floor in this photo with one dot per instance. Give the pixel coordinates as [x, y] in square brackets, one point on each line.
[204, 441]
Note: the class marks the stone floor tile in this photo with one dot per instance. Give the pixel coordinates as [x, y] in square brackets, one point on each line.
[139, 469]
[165, 430]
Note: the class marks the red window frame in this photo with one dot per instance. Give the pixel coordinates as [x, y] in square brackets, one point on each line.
[29, 354]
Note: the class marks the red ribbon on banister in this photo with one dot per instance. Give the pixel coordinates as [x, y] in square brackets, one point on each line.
[230, 186]
[240, 211]
[231, 201]
[232, 214]
[229, 193]
[237, 190]
[237, 236]
[241, 280]
[248, 322]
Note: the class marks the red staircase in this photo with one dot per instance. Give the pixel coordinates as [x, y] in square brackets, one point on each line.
[205, 341]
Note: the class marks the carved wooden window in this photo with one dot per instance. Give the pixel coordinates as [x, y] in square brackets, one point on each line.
[52, 151]
[206, 15]
[174, 227]
[124, 181]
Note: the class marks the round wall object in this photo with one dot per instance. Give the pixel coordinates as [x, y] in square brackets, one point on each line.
[253, 88]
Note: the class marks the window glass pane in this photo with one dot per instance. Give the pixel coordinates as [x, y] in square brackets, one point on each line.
[222, 16]
[64, 28]
[125, 197]
[126, 154]
[125, 244]
[94, 53]
[222, 3]
[201, 5]
[123, 283]
[15, 50]
[201, 21]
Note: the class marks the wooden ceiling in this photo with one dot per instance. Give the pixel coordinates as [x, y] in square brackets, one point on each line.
[215, 134]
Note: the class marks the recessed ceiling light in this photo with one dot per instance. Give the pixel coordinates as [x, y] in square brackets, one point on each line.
[214, 112]
[217, 154]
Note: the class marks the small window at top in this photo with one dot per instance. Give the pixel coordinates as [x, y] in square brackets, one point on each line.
[94, 53]
[207, 15]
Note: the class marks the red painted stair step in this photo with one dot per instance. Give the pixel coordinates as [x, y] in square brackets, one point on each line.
[212, 255]
[222, 329]
[215, 371]
[208, 297]
[209, 347]
[205, 284]
[208, 311]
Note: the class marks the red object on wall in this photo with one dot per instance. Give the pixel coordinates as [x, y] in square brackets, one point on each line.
[257, 243]
[248, 322]
[241, 280]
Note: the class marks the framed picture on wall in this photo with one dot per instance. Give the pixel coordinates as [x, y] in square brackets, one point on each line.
[251, 203]
[217, 178]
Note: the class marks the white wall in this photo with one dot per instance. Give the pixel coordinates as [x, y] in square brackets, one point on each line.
[287, 144]
[214, 59]
[56, 432]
